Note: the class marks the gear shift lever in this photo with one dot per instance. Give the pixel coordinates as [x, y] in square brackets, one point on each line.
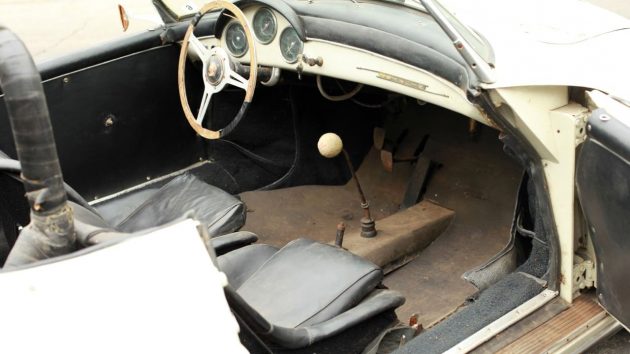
[329, 146]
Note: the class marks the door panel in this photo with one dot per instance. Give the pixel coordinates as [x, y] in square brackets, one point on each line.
[116, 113]
[603, 180]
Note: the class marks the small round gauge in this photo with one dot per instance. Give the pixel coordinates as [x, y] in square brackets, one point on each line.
[265, 25]
[291, 45]
[235, 39]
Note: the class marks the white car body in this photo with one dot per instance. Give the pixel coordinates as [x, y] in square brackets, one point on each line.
[552, 43]
[161, 294]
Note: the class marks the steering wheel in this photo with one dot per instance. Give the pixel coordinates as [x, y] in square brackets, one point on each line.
[218, 71]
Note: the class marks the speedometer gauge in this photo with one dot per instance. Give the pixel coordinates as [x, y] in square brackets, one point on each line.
[235, 39]
[265, 25]
[291, 45]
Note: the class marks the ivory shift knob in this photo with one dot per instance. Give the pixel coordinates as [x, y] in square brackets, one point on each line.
[330, 145]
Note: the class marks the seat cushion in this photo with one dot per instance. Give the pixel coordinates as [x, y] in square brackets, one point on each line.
[220, 211]
[241, 263]
[118, 209]
[306, 283]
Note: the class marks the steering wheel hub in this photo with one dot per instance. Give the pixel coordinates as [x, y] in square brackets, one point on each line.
[216, 69]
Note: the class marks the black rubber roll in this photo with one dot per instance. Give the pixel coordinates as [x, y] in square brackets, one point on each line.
[30, 122]
[51, 230]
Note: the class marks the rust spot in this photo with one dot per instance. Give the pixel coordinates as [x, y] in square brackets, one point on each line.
[561, 278]
[413, 320]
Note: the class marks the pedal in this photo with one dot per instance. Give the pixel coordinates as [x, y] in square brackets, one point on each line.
[387, 146]
[378, 136]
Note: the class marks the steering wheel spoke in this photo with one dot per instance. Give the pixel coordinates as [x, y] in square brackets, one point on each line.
[237, 80]
[205, 102]
[198, 48]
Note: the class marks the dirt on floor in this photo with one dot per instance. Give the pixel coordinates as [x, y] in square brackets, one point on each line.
[475, 178]
[479, 182]
[281, 215]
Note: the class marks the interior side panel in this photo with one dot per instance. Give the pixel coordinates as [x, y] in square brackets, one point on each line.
[111, 116]
[604, 188]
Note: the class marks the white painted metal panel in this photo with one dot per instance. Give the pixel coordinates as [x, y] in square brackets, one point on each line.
[156, 293]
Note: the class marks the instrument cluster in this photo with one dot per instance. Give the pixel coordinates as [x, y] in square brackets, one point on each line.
[265, 27]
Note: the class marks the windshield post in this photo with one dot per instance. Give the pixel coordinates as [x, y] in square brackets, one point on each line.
[480, 67]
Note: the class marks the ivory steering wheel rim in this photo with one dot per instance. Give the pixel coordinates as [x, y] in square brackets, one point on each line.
[216, 73]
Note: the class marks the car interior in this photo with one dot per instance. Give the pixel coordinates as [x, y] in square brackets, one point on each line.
[458, 239]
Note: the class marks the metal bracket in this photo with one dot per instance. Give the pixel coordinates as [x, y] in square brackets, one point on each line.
[580, 127]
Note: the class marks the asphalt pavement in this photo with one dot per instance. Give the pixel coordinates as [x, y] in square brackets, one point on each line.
[51, 28]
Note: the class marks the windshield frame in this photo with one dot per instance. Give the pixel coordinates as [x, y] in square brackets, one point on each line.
[460, 35]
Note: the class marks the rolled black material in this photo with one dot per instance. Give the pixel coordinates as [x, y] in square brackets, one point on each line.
[50, 232]
[30, 122]
[241, 113]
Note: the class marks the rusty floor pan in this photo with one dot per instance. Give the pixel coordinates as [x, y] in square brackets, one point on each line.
[282, 215]
[477, 181]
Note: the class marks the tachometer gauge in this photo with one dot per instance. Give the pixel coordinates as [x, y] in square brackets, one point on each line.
[235, 39]
[265, 25]
[291, 45]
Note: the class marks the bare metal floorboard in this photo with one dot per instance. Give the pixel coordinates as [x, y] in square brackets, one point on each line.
[477, 180]
[281, 215]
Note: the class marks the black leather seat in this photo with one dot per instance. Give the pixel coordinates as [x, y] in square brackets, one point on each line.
[303, 292]
[222, 213]
[139, 210]
[147, 208]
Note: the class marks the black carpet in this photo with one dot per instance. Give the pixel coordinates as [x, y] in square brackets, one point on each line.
[275, 145]
[494, 302]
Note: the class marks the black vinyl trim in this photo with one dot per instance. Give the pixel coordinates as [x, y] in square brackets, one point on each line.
[611, 133]
[282, 7]
[389, 45]
[400, 33]
[603, 186]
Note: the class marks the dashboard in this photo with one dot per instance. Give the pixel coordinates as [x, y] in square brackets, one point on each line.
[270, 29]
[304, 45]
[265, 27]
